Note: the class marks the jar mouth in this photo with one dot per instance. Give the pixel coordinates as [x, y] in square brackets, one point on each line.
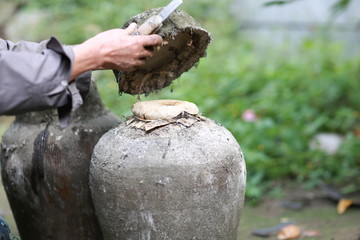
[163, 109]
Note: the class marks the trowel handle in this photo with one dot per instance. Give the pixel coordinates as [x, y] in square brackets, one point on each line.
[151, 25]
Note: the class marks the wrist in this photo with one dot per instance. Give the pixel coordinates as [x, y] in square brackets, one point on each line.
[89, 55]
[86, 58]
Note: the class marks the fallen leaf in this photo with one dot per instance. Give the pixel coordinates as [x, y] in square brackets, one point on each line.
[289, 232]
[311, 233]
[343, 205]
[357, 132]
[267, 232]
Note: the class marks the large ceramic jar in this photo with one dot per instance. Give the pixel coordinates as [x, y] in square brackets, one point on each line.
[168, 173]
[45, 171]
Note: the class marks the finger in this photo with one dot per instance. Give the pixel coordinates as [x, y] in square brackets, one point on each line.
[151, 40]
[140, 62]
[146, 53]
[131, 28]
[134, 66]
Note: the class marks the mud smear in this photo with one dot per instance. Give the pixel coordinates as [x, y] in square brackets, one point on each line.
[185, 43]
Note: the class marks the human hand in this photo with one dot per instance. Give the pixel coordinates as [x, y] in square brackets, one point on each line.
[114, 49]
[122, 51]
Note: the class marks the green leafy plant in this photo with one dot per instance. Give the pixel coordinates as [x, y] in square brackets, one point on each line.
[294, 95]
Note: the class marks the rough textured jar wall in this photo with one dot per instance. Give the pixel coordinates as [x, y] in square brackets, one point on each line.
[45, 172]
[172, 182]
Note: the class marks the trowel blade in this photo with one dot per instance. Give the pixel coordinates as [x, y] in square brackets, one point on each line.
[171, 7]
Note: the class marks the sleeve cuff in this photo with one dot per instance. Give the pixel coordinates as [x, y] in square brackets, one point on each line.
[76, 89]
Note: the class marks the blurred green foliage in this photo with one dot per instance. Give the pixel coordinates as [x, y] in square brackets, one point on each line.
[337, 7]
[295, 95]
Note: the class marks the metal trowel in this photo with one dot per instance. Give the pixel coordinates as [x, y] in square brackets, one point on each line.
[154, 23]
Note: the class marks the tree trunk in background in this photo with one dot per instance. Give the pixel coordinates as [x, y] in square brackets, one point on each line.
[2, 32]
[7, 11]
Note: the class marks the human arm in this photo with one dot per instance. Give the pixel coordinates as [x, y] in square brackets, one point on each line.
[36, 76]
[114, 49]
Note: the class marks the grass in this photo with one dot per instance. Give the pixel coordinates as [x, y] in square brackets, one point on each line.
[323, 219]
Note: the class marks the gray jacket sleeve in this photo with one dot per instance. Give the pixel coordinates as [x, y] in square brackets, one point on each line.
[34, 76]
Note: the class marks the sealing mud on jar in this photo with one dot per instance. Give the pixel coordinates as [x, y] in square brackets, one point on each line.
[185, 42]
[168, 173]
